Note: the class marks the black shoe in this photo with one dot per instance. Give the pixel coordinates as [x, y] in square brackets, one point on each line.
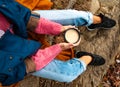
[106, 23]
[96, 59]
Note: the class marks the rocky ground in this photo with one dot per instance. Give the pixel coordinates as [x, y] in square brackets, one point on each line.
[102, 42]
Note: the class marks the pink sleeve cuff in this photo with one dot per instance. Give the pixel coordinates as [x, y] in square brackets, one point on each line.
[48, 27]
[43, 57]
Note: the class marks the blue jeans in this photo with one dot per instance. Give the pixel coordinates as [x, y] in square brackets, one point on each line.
[68, 17]
[62, 71]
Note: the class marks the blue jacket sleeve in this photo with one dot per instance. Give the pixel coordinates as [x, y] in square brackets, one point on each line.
[18, 15]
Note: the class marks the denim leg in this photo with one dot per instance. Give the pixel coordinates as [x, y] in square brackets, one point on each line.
[62, 71]
[68, 17]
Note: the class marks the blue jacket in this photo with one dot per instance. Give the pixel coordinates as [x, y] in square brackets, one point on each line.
[18, 14]
[14, 48]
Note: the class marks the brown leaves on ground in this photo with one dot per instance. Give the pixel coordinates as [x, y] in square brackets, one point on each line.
[112, 77]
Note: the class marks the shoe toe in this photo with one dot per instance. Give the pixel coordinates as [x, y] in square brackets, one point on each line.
[109, 24]
[113, 23]
[97, 60]
[101, 60]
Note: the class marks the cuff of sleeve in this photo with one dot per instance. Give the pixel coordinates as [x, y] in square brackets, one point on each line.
[56, 49]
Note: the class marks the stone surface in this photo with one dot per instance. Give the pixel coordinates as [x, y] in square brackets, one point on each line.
[102, 42]
[95, 6]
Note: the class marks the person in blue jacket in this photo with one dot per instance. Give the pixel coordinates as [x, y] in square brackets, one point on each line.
[13, 47]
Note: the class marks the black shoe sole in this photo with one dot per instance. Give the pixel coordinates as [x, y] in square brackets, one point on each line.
[98, 28]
